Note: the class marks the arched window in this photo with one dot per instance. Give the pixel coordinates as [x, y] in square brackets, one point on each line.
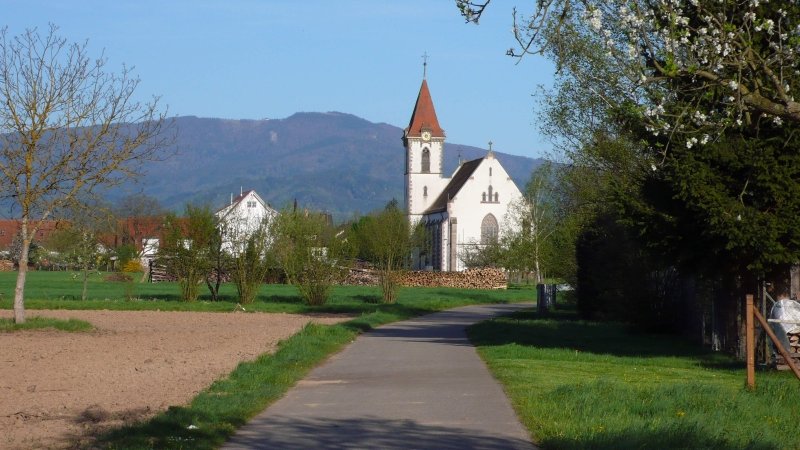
[490, 193]
[425, 191]
[489, 229]
[490, 171]
[426, 161]
[496, 197]
[483, 197]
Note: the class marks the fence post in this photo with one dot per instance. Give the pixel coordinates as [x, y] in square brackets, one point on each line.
[750, 343]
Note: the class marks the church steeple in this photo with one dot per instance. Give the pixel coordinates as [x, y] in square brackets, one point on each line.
[424, 116]
[424, 143]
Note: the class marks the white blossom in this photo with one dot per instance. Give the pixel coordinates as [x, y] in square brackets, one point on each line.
[595, 20]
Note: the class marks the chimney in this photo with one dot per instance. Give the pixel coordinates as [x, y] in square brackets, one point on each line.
[231, 198]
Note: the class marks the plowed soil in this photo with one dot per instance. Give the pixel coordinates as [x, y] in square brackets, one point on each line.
[58, 389]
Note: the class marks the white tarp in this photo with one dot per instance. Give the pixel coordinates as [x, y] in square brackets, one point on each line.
[787, 311]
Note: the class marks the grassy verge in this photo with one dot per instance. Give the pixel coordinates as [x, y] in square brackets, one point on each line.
[578, 385]
[33, 323]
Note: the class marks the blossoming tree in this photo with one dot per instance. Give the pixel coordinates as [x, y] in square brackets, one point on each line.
[692, 69]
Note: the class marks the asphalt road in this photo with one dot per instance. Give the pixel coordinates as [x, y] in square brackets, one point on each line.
[416, 384]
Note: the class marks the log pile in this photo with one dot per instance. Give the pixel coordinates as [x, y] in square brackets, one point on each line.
[361, 277]
[794, 351]
[486, 278]
[6, 265]
[158, 273]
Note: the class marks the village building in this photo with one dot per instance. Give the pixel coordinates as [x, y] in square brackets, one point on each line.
[242, 217]
[467, 209]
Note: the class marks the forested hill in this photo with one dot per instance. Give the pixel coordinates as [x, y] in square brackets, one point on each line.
[335, 162]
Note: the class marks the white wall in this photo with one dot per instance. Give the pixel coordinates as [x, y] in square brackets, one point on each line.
[240, 220]
[468, 208]
[416, 181]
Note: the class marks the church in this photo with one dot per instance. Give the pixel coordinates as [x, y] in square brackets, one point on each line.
[464, 210]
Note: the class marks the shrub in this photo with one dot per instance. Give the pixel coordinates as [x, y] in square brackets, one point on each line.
[132, 266]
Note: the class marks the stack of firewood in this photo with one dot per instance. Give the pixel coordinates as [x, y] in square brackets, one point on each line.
[794, 351]
[486, 278]
[361, 277]
[159, 273]
[6, 265]
[794, 344]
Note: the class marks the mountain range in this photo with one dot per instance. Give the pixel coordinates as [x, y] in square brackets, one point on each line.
[333, 162]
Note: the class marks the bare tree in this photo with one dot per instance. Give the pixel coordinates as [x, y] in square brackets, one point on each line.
[387, 241]
[67, 128]
[78, 241]
[310, 252]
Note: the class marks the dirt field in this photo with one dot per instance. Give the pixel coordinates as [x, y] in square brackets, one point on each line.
[58, 389]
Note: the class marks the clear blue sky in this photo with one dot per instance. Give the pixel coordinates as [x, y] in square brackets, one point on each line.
[255, 59]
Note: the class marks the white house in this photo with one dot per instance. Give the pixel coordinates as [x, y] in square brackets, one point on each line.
[242, 217]
[466, 209]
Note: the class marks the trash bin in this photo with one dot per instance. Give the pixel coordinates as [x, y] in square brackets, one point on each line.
[545, 297]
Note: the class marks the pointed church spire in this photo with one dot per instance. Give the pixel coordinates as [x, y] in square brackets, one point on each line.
[424, 115]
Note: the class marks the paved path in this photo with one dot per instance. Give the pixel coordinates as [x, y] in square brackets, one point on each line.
[416, 384]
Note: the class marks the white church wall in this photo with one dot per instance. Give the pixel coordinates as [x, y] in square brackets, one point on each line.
[422, 188]
[469, 207]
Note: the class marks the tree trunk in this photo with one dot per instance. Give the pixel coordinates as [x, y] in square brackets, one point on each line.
[22, 272]
[85, 280]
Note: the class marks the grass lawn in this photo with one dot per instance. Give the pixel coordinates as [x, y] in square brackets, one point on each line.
[217, 412]
[579, 385]
[62, 290]
[46, 322]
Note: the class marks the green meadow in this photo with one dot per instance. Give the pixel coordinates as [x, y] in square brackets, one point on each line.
[62, 290]
[584, 385]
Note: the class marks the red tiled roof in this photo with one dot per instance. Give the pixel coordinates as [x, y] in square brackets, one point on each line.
[10, 228]
[241, 197]
[424, 115]
[131, 230]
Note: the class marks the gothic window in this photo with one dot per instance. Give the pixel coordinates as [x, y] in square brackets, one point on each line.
[489, 229]
[490, 192]
[490, 171]
[425, 191]
[483, 197]
[426, 161]
[496, 197]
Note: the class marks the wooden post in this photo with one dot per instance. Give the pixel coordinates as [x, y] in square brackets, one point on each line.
[750, 343]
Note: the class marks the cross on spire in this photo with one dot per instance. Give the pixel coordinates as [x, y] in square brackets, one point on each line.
[424, 65]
